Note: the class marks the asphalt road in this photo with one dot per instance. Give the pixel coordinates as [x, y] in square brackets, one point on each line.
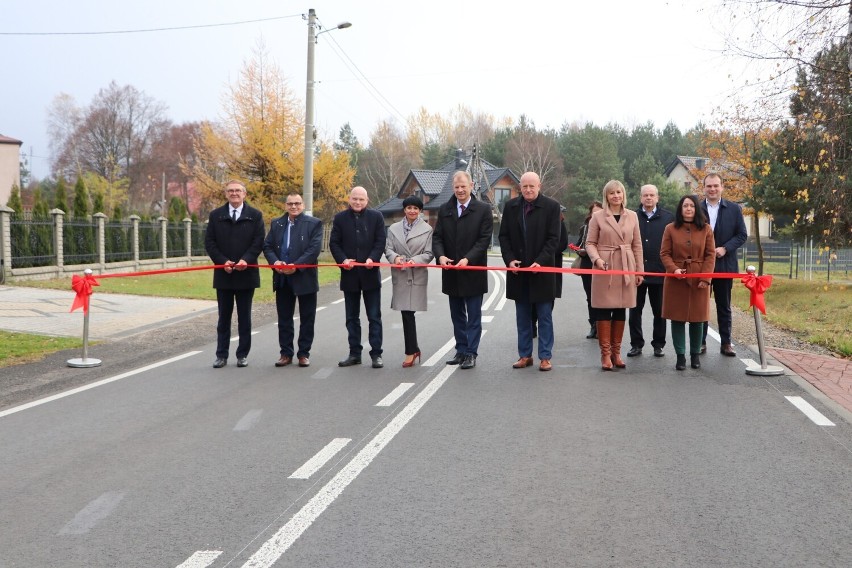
[184, 465]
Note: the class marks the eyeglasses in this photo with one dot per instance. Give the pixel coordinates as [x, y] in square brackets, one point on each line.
[293, 203]
[238, 190]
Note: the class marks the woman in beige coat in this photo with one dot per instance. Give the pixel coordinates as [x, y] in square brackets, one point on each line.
[613, 243]
[409, 241]
[688, 248]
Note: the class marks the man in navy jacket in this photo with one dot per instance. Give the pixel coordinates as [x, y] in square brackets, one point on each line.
[729, 231]
[234, 239]
[294, 239]
[358, 235]
[652, 222]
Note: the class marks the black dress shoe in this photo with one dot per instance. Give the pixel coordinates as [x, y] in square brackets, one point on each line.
[658, 352]
[703, 349]
[634, 352]
[457, 360]
[349, 361]
[242, 362]
[469, 362]
[219, 363]
[378, 363]
[694, 361]
[728, 350]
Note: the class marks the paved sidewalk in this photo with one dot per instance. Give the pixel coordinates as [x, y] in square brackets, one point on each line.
[112, 316]
[831, 375]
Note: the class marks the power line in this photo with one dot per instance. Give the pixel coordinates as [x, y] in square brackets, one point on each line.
[149, 30]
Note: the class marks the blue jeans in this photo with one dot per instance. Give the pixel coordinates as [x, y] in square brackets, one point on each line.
[523, 319]
[373, 307]
[466, 313]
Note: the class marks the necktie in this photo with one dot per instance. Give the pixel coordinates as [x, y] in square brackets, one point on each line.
[234, 215]
[462, 210]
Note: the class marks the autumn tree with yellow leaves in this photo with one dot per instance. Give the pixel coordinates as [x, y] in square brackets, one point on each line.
[260, 140]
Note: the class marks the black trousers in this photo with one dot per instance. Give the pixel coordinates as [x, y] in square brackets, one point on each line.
[409, 332]
[609, 314]
[226, 300]
[587, 286]
[655, 298]
[722, 294]
[285, 305]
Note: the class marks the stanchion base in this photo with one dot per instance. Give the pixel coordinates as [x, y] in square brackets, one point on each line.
[84, 363]
[769, 371]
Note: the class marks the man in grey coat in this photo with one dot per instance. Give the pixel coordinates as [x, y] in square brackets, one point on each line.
[461, 238]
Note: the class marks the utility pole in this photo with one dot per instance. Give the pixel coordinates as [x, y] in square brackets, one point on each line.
[308, 188]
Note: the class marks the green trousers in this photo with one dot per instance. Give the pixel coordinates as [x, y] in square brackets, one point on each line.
[696, 332]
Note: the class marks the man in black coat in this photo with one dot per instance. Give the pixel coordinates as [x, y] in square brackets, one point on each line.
[652, 222]
[461, 237]
[358, 235]
[294, 239]
[234, 239]
[529, 237]
[729, 232]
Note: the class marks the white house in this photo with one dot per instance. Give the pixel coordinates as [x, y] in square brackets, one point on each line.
[10, 166]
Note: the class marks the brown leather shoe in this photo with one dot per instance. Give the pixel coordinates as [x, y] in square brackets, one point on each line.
[283, 361]
[304, 362]
[523, 362]
[728, 350]
[545, 365]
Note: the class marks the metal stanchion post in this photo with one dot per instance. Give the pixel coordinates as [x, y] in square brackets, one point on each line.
[85, 361]
[764, 370]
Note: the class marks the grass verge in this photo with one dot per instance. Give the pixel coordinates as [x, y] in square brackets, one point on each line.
[26, 347]
[818, 312]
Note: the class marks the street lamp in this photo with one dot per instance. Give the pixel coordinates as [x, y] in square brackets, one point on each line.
[310, 132]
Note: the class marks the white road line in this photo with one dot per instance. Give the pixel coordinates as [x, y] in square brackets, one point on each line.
[323, 373]
[503, 298]
[494, 293]
[487, 319]
[237, 337]
[201, 559]
[45, 400]
[312, 465]
[749, 363]
[715, 335]
[809, 411]
[387, 279]
[395, 394]
[248, 421]
[321, 308]
[275, 547]
[338, 301]
[93, 513]
[440, 353]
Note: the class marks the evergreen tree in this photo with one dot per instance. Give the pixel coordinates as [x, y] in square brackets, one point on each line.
[60, 199]
[19, 232]
[81, 200]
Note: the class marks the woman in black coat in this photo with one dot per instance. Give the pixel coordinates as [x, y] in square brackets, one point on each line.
[586, 263]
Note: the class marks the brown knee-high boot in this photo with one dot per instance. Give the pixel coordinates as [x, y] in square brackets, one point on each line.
[617, 335]
[604, 337]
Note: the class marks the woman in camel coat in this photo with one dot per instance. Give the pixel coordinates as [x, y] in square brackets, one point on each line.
[688, 248]
[613, 243]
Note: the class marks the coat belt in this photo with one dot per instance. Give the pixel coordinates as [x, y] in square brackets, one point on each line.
[626, 256]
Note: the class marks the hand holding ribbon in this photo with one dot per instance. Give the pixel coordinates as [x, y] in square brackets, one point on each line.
[757, 285]
[83, 286]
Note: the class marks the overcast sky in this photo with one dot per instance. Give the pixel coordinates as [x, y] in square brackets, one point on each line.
[625, 61]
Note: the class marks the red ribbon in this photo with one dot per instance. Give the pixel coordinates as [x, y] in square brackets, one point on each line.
[83, 286]
[757, 285]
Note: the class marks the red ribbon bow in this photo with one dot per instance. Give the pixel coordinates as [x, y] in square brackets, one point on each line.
[757, 285]
[83, 286]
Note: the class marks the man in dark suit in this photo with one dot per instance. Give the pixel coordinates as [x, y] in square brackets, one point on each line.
[358, 235]
[294, 239]
[234, 239]
[652, 222]
[529, 237]
[729, 232]
[461, 237]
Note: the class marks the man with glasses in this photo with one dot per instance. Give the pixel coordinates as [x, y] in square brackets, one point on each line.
[233, 240]
[294, 240]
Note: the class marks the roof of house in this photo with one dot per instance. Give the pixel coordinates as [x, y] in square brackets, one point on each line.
[692, 163]
[7, 140]
[437, 185]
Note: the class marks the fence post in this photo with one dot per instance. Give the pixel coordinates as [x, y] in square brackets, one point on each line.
[164, 238]
[134, 238]
[5, 242]
[58, 230]
[100, 238]
[187, 227]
